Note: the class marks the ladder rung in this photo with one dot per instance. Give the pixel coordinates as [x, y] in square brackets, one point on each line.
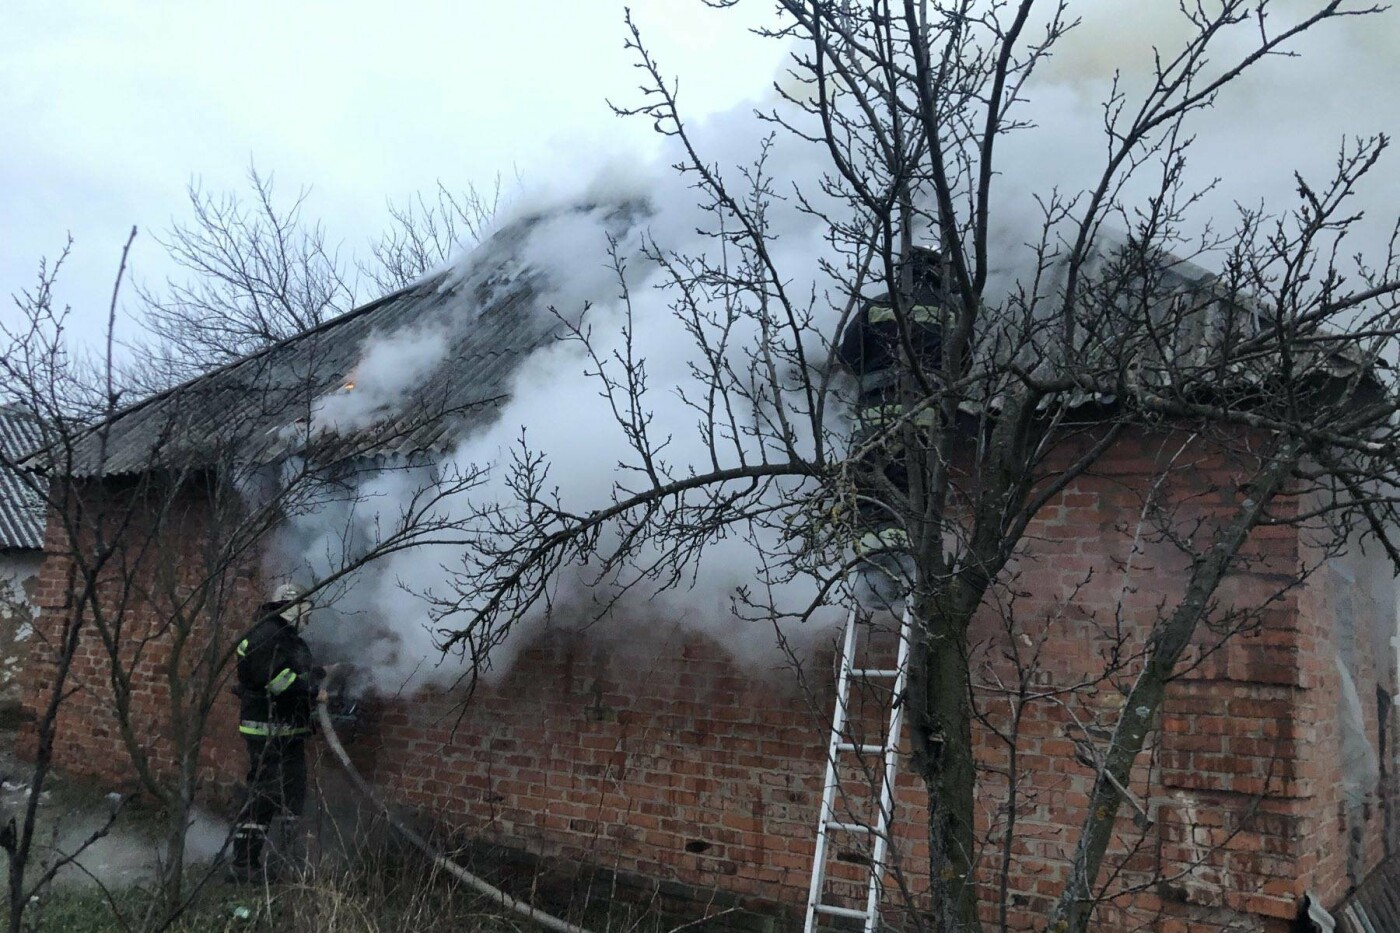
[840, 911]
[860, 749]
[875, 672]
[849, 827]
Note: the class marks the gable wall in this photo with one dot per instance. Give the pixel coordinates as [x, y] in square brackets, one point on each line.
[145, 598]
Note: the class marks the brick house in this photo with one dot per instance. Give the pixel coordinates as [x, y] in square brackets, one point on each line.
[660, 757]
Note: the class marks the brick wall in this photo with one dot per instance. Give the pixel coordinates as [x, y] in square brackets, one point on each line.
[163, 585]
[655, 753]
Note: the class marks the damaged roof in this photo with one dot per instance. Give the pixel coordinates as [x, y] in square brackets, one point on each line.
[21, 508]
[258, 408]
[489, 314]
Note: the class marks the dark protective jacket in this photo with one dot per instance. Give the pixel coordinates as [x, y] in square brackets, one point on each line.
[871, 341]
[277, 681]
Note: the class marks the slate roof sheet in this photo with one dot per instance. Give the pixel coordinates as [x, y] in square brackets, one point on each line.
[21, 508]
[257, 407]
[1374, 907]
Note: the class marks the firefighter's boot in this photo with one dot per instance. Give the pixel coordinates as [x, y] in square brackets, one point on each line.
[248, 843]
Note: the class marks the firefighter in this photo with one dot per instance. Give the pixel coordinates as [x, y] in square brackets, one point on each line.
[278, 687]
[876, 347]
[873, 342]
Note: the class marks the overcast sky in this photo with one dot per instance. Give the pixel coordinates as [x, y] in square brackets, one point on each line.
[110, 110]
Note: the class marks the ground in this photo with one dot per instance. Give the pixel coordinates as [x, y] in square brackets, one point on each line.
[382, 888]
[111, 885]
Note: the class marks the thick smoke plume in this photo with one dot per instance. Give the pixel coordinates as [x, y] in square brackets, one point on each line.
[1286, 115]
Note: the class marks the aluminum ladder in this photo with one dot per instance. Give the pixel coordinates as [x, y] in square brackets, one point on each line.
[841, 744]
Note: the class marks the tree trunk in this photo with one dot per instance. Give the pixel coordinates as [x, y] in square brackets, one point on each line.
[1168, 641]
[941, 738]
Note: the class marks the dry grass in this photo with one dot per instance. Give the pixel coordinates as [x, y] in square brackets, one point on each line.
[363, 900]
[383, 893]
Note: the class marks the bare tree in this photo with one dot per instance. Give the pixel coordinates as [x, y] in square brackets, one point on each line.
[996, 398]
[256, 271]
[425, 232]
[42, 377]
[159, 537]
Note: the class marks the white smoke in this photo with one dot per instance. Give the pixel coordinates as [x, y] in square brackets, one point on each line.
[127, 854]
[557, 403]
[390, 367]
[1284, 114]
[1287, 114]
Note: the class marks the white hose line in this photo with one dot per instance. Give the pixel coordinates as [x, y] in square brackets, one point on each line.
[422, 845]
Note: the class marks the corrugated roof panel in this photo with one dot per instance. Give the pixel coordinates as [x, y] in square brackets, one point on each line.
[493, 315]
[1377, 899]
[252, 408]
[21, 508]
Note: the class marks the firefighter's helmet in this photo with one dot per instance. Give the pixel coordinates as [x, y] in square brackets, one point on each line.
[289, 593]
[292, 603]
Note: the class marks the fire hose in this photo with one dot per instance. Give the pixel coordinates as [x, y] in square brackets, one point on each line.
[422, 845]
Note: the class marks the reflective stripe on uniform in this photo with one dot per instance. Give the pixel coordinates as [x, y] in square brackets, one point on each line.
[279, 684]
[243, 647]
[884, 539]
[919, 314]
[881, 414]
[271, 729]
